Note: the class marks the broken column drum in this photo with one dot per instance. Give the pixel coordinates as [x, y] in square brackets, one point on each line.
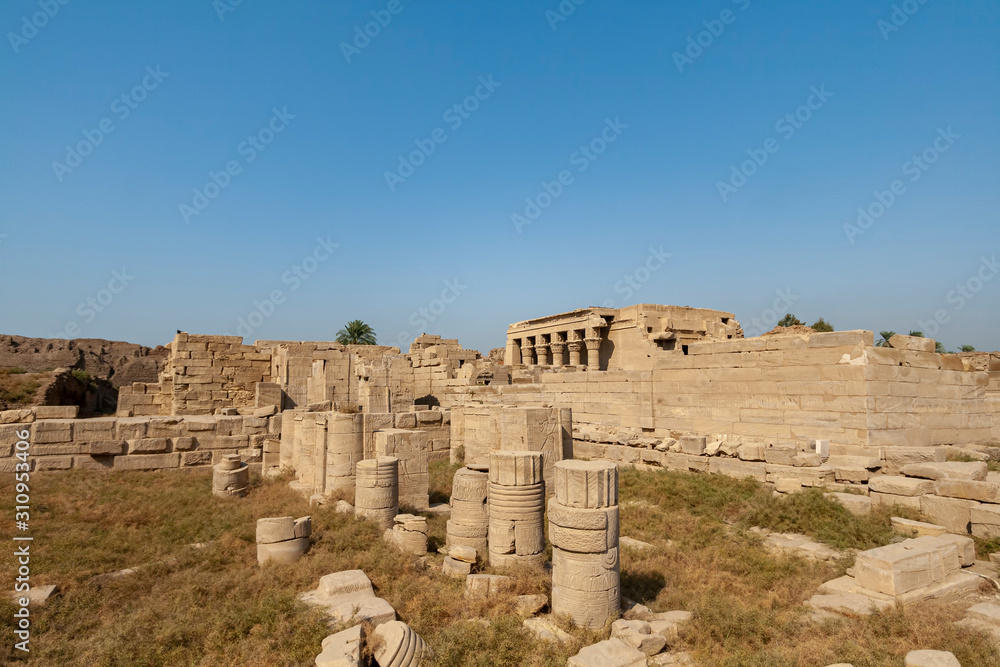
[345, 448]
[583, 529]
[376, 495]
[516, 508]
[470, 510]
[231, 477]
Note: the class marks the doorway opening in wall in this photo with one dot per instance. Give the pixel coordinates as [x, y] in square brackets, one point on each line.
[667, 344]
[684, 349]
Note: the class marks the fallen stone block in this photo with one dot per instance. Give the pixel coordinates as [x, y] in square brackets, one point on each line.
[347, 596]
[900, 486]
[973, 471]
[850, 604]
[668, 624]
[638, 635]
[36, 595]
[751, 452]
[897, 457]
[926, 658]
[342, 649]
[608, 653]
[633, 543]
[955, 514]
[455, 568]
[529, 605]
[800, 545]
[880, 500]
[986, 492]
[546, 630]
[918, 527]
[399, 646]
[855, 504]
[482, 586]
[693, 445]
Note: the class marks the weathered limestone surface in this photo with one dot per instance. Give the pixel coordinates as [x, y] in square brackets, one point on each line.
[583, 529]
[376, 496]
[906, 566]
[411, 448]
[608, 653]
[927, 658]
[470, 510]
[348, 596]
[231, 477]
[409, 533]
[973, 470]
[399, 645]
[342, 649]
[517, 506]
[282, 539]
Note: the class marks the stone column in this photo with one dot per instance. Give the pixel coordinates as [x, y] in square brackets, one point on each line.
[470, 510]
[282, 539]
[542, 350]
[517, 508]
[376, 495]
[527, 352]
[583, 529]
[345, 447]
[574, 345]
[593, 342]
[558, 349]
[231, 477]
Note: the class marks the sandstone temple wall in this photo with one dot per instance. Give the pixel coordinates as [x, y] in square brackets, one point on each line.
[835, 386]
[138, 443]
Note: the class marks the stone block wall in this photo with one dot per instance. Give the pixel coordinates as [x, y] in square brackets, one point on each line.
[202, 375]
[835, 386]
[138, 443]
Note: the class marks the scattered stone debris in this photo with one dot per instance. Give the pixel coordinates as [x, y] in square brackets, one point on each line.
[399, 646]
[342, 649]
[546, 629]
[925, 658]
[906, 572]
[632, 543]
[282, 539]
[349, 596]
[800, 545]
[37, 595]
[482, 586]
[409, 533]
[638, 635]
[529, 605]
[608, 653]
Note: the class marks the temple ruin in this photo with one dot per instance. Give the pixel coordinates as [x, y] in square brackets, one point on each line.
[651, 386]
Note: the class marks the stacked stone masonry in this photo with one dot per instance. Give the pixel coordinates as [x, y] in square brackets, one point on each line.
[583, 530]
[516, 508]
[470, 510]
[376, 495]
[139, 443]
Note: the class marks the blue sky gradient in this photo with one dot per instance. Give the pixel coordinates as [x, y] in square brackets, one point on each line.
[436, 250]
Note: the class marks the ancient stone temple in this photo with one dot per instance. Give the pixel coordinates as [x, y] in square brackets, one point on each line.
[601, 339]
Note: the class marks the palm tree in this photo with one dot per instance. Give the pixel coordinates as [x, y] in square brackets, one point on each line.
[356, 332]
[916, 334]
[886, 335]
[967, 348]
[939, 347]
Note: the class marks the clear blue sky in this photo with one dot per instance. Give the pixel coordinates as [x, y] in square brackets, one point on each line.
[197, 86]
